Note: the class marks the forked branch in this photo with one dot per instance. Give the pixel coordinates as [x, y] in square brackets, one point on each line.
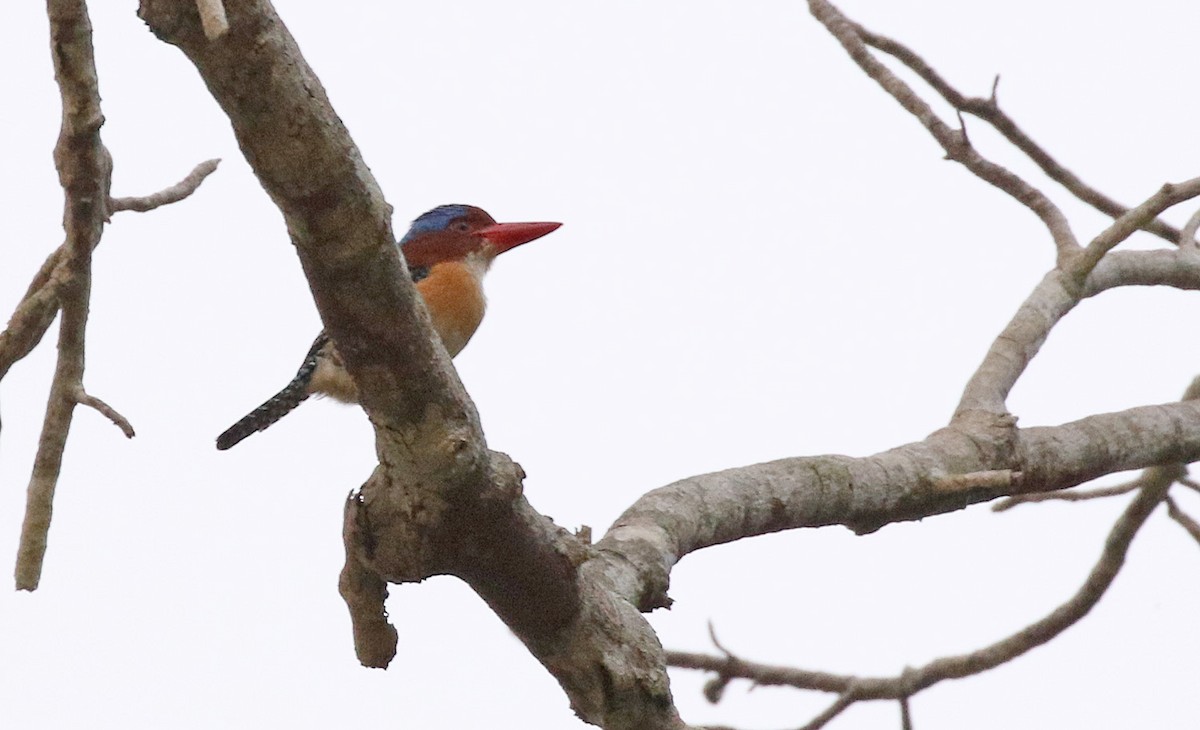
[988, 109]
[64, 280]
[84, 169]
[954, 142]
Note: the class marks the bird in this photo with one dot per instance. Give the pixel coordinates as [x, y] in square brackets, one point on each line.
[448, 250]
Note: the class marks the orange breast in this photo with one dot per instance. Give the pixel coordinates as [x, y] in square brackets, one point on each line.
[453, 293]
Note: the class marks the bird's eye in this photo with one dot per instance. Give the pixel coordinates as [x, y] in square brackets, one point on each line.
[462, 226]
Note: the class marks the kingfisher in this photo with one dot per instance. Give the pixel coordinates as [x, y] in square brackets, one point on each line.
[448, 250]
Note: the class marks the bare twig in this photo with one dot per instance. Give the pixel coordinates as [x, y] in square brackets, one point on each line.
[91, 401]
[212, 18]
[84, 169]
[173, 194]
[37, 309]
[1065, 496]
[989, 111]
[1190, 483]
[1154, 484]
[988, 389]
[1184, 519]
[953, 142]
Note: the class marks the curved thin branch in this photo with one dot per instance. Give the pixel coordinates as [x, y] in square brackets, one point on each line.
[989, 110]
[1008, 503]
[1153, 484]
[1051, 300]
[84, 399]
[955, 143]
[36, 311]
[1015, 347]
[166, 196]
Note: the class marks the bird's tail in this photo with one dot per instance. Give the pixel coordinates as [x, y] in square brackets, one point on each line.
[280, 404]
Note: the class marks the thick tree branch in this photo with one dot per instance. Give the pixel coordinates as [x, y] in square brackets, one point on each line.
[905, 483]
[954, 142]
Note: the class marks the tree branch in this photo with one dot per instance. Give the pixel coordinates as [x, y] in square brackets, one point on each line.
[1055, 296]
[166, 196]
[1185, 520]
[955, 143]
[1153, 485]
[905, 483]
[84, 399]
[84, 169]
[1066, 496]
[1128, 223]
[439, 502]
[989, 111]
[37, 309]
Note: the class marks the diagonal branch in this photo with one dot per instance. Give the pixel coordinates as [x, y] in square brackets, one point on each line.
[989, 110]
[844, 700]
[1185, 520]
[1051, 300]
[954, 142]
[1130, 222]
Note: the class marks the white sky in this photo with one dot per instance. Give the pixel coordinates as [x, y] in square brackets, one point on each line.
[762, 256]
